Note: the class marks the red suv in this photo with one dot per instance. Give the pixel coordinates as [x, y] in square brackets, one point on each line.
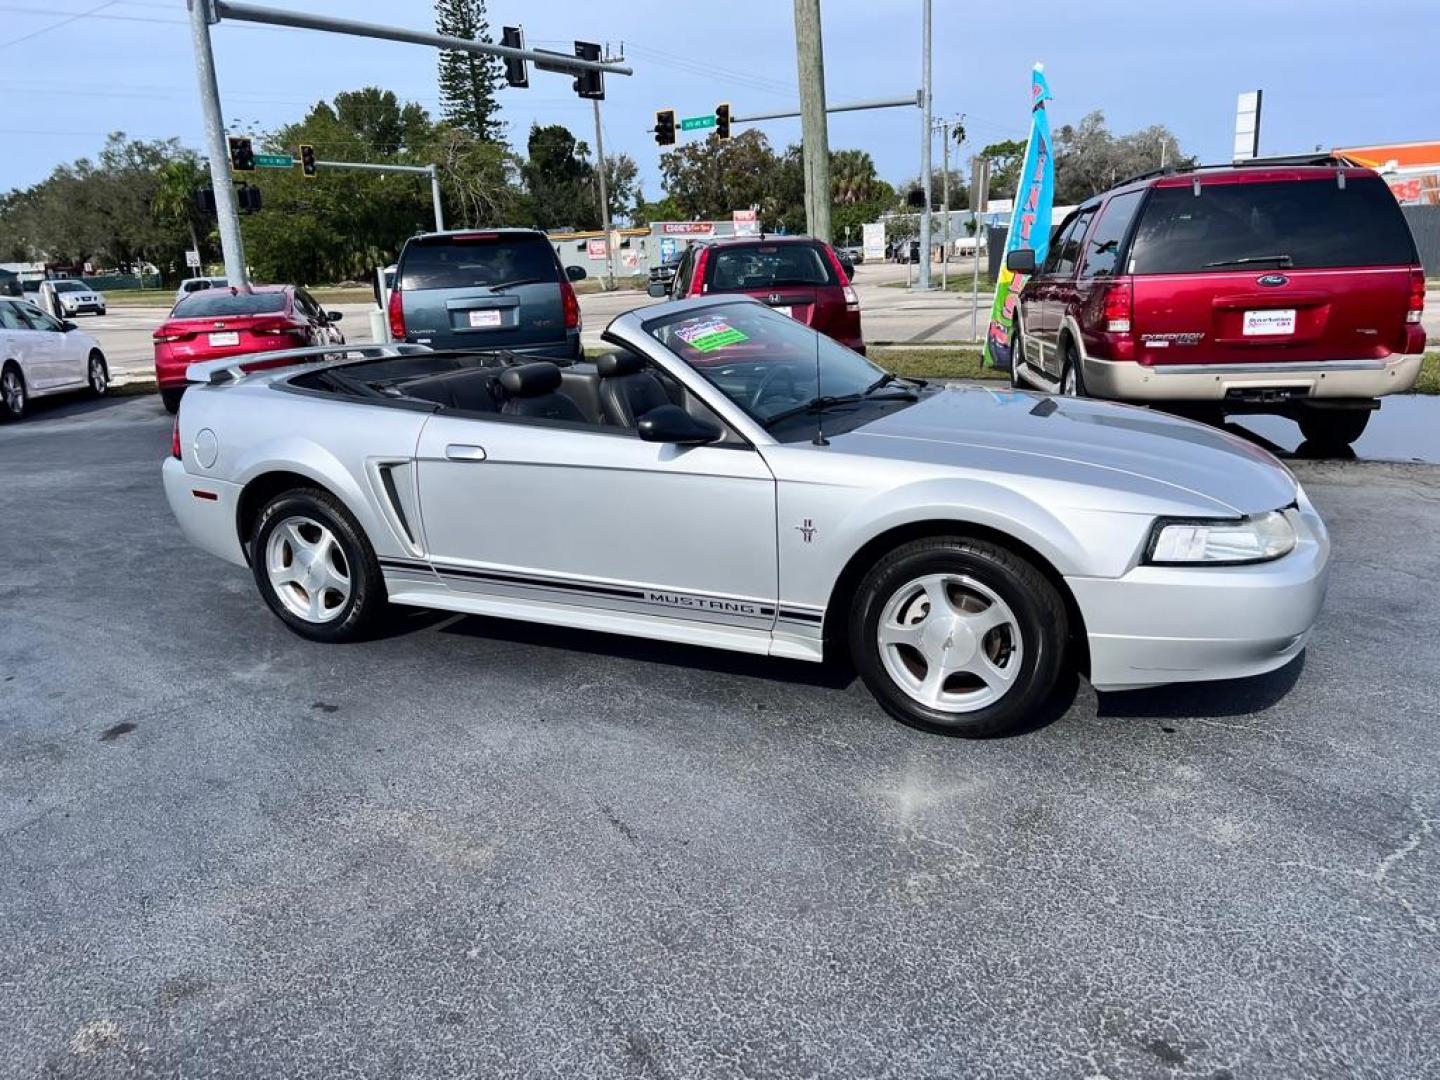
[216, 323]
[1273, 287]
[798, 275]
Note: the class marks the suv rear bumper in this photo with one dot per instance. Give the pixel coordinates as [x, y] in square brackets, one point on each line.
[1126, 380]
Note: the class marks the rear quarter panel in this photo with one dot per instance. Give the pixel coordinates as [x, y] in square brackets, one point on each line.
[332, 443]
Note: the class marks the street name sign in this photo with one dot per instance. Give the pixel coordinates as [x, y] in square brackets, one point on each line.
[274, 161]
[689, 123]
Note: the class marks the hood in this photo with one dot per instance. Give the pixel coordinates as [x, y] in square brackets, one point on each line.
[1096, 443]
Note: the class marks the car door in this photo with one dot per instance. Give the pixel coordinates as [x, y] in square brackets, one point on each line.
[44, 336]
[18, 343]
[1042, 316]
[595, 518]
[1062, 286]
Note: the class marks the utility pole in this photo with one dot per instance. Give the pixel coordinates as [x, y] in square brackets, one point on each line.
[945, 203]
[227, 211]
[814, 137]
[435, 199]
[923, 281]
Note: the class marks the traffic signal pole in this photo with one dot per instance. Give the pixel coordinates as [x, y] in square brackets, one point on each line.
[227, 210]
[923, 281]
[604, 199]
[432, 171]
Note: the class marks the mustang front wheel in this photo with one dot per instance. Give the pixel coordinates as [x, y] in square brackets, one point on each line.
[958, 636]
[315, 568]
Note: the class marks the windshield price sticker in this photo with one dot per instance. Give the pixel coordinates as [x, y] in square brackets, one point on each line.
[710, 334]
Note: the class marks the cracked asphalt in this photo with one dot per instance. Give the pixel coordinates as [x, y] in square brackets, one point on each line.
[477, 848]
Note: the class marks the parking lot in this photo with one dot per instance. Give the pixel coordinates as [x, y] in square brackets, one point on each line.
[484, 848]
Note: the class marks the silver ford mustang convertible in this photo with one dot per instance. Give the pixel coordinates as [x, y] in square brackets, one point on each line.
[727, 477]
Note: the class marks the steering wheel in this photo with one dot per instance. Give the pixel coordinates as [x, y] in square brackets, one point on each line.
[760, 392]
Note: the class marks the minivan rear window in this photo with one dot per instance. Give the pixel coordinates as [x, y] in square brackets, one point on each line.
[484, 259]
[205, 305]
[1313, 224]
[768, 266]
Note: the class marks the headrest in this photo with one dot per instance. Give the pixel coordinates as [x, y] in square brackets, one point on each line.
[531, 380]
[619, 362]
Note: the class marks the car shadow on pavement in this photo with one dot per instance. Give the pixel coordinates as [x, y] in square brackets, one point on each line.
[833, 674]
[1178, 701]
[66, 406]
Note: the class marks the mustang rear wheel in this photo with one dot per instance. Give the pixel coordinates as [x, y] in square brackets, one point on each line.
[958, 636]
[315, 568]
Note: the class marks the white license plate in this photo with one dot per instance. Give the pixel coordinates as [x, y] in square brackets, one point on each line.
[227, 337]
[1267, 323]
[787, 311]
[485, 318]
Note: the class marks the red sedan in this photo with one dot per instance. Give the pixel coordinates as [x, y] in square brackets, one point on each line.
[217, 323]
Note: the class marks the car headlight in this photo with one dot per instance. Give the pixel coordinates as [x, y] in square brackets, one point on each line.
[1258, 538]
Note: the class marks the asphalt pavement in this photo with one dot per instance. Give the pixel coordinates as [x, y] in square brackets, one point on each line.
[480, 848]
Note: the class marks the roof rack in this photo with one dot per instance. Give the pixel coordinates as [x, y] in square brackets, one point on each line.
[1334, 161]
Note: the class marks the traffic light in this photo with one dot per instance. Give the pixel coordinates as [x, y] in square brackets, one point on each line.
[249, 199]
[665, 127]
[517, 72]
[589, 84]
[722, 120]
[915, 198]
[242, 155]
[307, 160]
[205, 200]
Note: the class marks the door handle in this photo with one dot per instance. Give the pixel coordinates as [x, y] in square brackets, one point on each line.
[464, 452]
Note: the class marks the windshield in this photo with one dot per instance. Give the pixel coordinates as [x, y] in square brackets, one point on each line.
[1275, 225]
[216, 302]
[767, 266]
[482, 259]
[763, 361]
[69, 286]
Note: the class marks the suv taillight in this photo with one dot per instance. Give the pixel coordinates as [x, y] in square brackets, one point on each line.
[697, 275]
[396, 312]
[1118, 303]
[1417, 296]
[572, 305]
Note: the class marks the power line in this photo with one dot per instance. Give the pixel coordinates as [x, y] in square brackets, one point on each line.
[58, 25]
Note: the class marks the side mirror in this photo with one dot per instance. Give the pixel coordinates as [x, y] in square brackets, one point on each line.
[672, 424]
[1020, 261]
[66, 325]
[334, 316]
[658, 289]
[575, 273]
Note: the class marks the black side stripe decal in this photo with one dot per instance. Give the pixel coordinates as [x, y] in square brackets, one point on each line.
[799, 615]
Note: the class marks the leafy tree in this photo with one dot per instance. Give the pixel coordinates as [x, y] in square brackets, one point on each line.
[559, 179]
[174, 199]
[468, 81]
[1089, 159]
[710, 178]
[852, 177]
[1005, 160]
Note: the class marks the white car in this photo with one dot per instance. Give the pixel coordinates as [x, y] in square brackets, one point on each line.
[197, 284]
[75, 297]
[41, 355]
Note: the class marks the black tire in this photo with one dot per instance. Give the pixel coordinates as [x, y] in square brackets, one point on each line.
[171, 399]
[98, 381]
[1072, 367]
[1038, 610]
[14, 397]
[1335, 428]
[366, 605]
[1017, 351]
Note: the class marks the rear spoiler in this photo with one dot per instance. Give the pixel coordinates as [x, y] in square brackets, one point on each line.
[233, 368]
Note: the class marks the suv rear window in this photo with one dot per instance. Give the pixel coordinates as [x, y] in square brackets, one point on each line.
[208, 304]
[767, 266]
[1316, 223]
[487, 259]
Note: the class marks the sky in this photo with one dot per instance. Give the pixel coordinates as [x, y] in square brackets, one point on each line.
[1333, 72]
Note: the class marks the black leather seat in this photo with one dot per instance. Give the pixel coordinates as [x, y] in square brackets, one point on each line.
[533, 390]
[627, 390]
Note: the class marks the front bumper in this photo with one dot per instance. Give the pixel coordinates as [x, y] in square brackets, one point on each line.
[206, 509]
[1127, 380]
[1165, 624]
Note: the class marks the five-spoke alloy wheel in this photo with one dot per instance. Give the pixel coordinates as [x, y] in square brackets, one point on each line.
[958, 635]
[315, 567]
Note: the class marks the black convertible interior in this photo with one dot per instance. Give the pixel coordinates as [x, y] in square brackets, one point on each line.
[614, 390]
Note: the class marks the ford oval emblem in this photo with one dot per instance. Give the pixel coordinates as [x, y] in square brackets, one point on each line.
[1272, 280]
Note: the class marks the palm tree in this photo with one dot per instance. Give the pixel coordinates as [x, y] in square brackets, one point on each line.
[174, 199]
[852, 176]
